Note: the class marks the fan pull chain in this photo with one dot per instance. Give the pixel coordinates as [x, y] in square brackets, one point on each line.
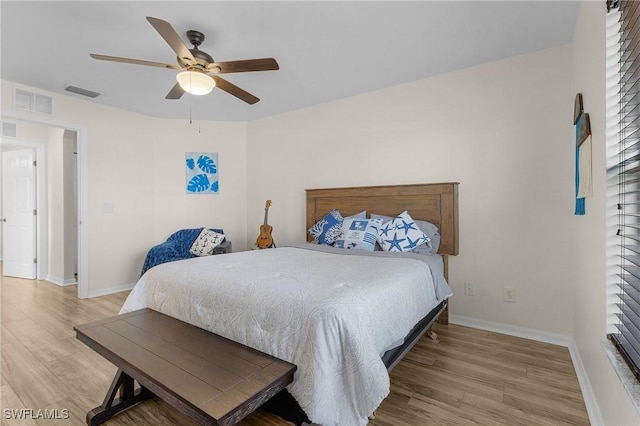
[191, 116]
[190, 98]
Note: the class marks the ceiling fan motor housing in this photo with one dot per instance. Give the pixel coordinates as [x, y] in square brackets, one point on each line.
[202, 58]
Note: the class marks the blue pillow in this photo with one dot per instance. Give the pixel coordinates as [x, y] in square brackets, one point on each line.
[358, 234]
[326, 230]
[401, 234]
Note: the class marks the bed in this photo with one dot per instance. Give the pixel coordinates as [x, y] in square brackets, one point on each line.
[299, 304]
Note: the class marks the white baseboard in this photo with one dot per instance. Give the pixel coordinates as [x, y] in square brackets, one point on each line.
[512, 330]
[111, 290]
[595, 417]
[59, 281]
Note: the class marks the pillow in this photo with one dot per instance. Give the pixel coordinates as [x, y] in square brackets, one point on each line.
[327, 229]
[358, 234]
[430, 230]
[361, 215]
[401, 234]
[432, 246]
[205, 242]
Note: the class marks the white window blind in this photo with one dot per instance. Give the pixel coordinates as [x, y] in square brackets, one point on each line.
[623, 116]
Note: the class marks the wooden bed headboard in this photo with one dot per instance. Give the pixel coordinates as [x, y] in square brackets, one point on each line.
[434, 202]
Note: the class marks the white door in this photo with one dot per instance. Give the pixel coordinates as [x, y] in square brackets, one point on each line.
[18, 214]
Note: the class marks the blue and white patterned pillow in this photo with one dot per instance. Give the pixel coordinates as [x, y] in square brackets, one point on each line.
[432, 244]
[361, 215]
[326, 230]
[358, 234]
[401, 234]
[205, 242]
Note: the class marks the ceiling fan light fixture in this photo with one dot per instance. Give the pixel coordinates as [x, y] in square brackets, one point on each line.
[196, 83]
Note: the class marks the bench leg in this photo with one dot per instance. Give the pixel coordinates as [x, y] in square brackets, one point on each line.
[111, 406]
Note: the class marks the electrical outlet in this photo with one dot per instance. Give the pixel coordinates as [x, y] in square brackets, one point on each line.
[468, 289]
[509, 294]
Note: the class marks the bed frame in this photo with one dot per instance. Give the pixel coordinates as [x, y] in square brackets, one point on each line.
[434, 202]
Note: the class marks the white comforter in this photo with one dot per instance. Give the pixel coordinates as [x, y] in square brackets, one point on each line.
[331, 315]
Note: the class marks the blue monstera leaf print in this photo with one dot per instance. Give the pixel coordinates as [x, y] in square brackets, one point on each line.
[214, 186]
[198, 183]
[190, 163]
[207, 165]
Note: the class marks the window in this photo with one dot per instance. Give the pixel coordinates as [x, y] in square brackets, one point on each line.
[623, 115]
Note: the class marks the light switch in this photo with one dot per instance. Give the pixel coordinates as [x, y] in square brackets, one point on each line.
[107, 207]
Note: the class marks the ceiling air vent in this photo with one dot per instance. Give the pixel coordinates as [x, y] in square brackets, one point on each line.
[8, 129]
[81, 91]
[31, 101]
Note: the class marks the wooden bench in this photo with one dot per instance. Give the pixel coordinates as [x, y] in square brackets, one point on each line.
[213, 380]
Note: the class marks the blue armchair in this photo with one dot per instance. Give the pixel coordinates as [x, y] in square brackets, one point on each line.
[177, 248]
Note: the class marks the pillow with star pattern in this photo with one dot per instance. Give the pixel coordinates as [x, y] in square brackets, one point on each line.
[401, 234]
[432, 244]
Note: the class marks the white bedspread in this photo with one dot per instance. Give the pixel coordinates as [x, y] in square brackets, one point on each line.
[329, 314]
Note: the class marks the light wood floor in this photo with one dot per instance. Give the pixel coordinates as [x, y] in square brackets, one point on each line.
[468, 377]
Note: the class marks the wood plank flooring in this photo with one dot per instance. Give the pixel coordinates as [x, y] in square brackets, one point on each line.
[467, 377]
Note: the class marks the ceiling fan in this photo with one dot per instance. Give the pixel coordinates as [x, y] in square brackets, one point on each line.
[199, 72]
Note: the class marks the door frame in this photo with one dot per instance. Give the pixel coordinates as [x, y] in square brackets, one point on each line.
[83, 189]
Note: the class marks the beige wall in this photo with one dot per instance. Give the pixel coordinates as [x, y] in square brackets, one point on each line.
[55, 200]
[502, 130]
[61, 209]
[589, 232]
[136, 163]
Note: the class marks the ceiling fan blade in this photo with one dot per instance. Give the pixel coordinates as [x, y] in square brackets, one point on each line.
[234, 90]
[175, 93]
[133, 61]
[262, 64]
[172, 38]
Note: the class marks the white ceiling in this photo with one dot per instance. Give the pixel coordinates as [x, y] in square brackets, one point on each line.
[327, 50]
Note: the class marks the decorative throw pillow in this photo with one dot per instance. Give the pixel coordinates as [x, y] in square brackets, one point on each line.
[206, 241]
[361, 215]
[401, 234]
[430, 246]
[327, 229]
[358, 234]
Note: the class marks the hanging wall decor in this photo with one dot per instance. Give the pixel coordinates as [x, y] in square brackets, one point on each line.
[584, 184]
[577, 108]
[583, 128]
[202, 173]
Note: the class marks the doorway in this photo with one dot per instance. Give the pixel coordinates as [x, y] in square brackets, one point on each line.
[60, 238]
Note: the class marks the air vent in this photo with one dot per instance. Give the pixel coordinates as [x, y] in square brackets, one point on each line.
[32, 101]
[81, 91]
[8, 130]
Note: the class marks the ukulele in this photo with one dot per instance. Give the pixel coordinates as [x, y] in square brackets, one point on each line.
[265, 240]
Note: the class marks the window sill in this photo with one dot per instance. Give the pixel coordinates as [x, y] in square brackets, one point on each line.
[627, 378]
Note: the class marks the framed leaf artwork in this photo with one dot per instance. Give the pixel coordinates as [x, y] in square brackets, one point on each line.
[202, 172]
